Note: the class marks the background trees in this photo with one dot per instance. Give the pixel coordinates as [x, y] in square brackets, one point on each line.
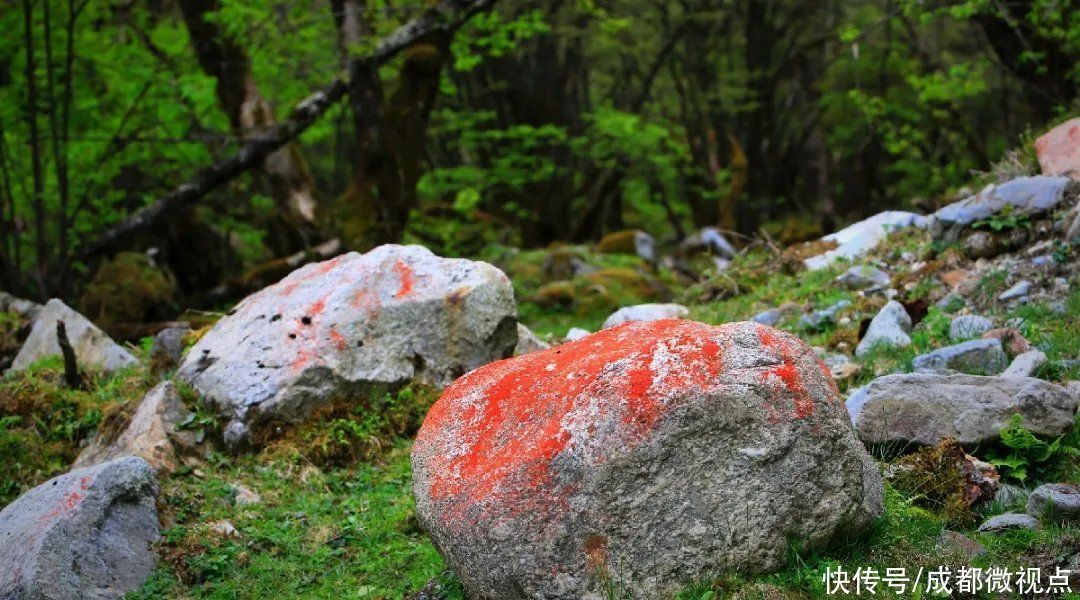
[536, 122]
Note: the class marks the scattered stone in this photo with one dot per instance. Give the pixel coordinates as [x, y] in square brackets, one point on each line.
[576, 333]
[889, 328]
[708, 239]
[820, 318]
[92, 347]
[769, 317]
[629, 452]
[223, 528]
[1007, 522]
[1008, 495]
[1059, 502]
[335, 328]
[982, 244]
[26, 309]
[924, 408]
[84, 534]
[954, 542]
[974, 357]
[245, 496]
[528, 342]
[1058, 150]
[969, 326]
[1017, 291]
[153, 433]
[1025, 365]
[167, 349]
[1026, 195]
[864, 276]
[645, 312]
[854, 240]
[1012, 340]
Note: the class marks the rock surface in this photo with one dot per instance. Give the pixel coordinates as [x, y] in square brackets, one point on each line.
[820, 318]
[656, 453]
[576, 333]
[84, 534]
[1057, 501]
[923, 408]
[1019, 290]
[153, 433]
[888, 328]
[92, 347]
[969, 326]
[333, 329]
[168, 348]
[853, 240]
[1058, 150]
[1008, 521]
[1026, 195]
[975, 357]
[645, 312]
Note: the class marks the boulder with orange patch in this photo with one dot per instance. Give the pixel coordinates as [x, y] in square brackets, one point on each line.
[643, 457]
[333, 330]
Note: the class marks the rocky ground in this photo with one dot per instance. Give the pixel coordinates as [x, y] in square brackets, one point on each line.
[944, 433]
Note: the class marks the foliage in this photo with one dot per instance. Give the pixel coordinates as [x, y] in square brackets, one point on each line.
[1027, 454]
[1003, 220]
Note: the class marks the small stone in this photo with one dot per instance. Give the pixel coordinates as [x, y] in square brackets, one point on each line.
[864, 276]
[1008, 521]
[1025, 365]
[968, 327]
[889, 328]
[960, 543]
[645, 312]
[576, 333]
[223, 528]
[1060, 502]
[975, 357]
[1020, 289]
[528, 341]
[1008, 495]
[246, 496]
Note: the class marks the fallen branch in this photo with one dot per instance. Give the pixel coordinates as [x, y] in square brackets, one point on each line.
[71, 368]
[447, 15]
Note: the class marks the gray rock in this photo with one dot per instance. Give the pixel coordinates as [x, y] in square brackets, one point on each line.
[168, 348]
[889, 328]
[976, 357]
[1025, 365]
[1008, 495]
[709, 239]
[645, 312]
[1007, 522]
[1026, 195]
[859, 238]
[925, 409]
[769, 317]
[336, 328]
[84, 534]
[528, 342]
[1059, 502]
[1019, 290]
[968, 327]
[951, 541]
[982, 244]
[864, 276]
[154, 433]
[820, 318]
[26, 309]
[92, 347]
[576, 333]
[662, 453]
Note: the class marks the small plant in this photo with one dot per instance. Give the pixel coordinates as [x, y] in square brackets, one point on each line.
[1028, 455]
[1004, 220]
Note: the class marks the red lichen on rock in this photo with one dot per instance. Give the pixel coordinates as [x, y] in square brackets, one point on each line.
[405, 274]
[514, 417]
[786, 372]
[338, 340]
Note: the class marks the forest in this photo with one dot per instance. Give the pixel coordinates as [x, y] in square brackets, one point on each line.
[508, 300]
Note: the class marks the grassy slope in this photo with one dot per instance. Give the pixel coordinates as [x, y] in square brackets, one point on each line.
[340, 523]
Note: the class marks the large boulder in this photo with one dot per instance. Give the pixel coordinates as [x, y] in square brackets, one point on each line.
[154, 432]
[1059, 502]
[888, 329]
[923, 408]
[859, 238]
[645, 456]
[84, 534]
[92, 347]
[1058, 150]
[334, 329]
